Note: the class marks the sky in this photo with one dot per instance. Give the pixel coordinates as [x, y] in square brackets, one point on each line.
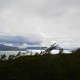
[40, 23]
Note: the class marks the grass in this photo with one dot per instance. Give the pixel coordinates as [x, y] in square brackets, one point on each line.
[41, 67]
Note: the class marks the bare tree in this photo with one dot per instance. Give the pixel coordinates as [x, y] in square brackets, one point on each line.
[48, 50]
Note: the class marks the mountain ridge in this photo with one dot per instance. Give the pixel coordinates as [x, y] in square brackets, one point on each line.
[11, 48]
[7, 48]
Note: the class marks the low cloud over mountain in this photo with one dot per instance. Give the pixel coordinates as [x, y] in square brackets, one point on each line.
[18, 41]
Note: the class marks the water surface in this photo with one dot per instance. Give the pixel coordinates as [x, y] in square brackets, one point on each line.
[29, 52]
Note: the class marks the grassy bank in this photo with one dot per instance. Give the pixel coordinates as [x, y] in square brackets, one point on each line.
[41, 67]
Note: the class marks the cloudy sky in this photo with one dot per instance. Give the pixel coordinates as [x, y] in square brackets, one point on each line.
[40, 22]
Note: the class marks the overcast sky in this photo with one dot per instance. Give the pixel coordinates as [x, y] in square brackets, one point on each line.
[40, 22]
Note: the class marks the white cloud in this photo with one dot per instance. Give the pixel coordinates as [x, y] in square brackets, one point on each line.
[22, 46]
[8, 44]
[44, 20]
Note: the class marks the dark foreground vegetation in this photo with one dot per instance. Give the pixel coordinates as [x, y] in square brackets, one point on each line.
[42, 67]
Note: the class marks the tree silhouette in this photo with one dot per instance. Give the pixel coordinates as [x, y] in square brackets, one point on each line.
[11, 57]
[60, 51]
[19, 53]
[3, 57]
[48, 50]
[77, 51]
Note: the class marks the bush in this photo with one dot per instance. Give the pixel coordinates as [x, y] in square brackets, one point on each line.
[77, 51]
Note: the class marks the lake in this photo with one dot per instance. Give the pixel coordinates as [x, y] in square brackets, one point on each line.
[29, 52]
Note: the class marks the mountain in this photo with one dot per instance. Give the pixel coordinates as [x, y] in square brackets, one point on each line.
[35, 48]
[40, 48]
[9, 48]
[43, 48]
